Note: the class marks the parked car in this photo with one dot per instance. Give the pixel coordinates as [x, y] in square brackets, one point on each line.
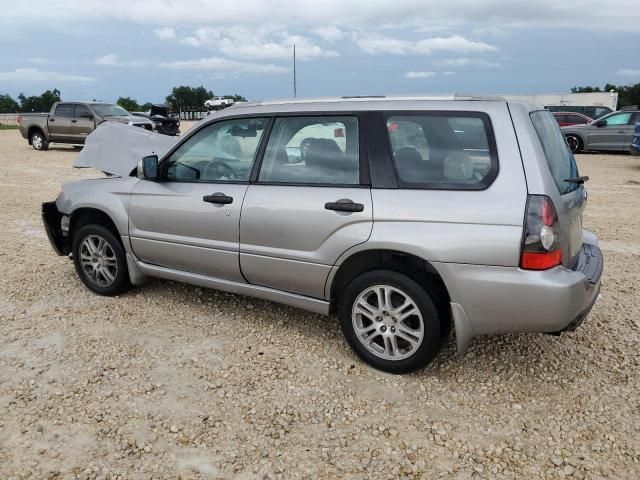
[612, 132]
[635, 142]
[163, 121]
[400, 215]
[71, 122]
[590, 111]
[566, 119]
[218, 103]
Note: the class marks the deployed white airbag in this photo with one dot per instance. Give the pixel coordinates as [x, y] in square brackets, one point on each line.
[115, 148]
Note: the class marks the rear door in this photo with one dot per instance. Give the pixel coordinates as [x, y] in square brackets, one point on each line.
[59, 123]
[82, 123]
[569, 198]
[311, 202]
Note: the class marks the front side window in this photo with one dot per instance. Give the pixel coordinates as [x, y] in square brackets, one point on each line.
[109, 110]
[447, 151]
[82, 112]
[312, 150]
[560, 159]
[64, 110]
[618, 119]
[221, 152]
[576, 119]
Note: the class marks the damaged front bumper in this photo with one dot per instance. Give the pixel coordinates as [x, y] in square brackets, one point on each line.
[56, 224]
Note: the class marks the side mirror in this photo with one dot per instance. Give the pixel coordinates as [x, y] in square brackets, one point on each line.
[148, 168]
[87, 115]
[601, 123]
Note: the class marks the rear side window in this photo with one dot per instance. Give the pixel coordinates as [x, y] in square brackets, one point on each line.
[443, 150]
[64, 110]
[312, 150]
[560, 159]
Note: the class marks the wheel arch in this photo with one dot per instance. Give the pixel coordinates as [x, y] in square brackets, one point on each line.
[33, 129]
[89, 215]
[415, 267]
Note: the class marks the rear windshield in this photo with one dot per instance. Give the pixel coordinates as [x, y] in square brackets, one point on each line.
[560, 159]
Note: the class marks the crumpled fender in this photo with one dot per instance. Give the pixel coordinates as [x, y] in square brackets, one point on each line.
[115, 148]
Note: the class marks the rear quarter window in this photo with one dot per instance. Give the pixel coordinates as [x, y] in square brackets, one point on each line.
[442, 150]
[562, 164]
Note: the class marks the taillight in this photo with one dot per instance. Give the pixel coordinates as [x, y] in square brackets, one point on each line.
[541, 241]
[19, 119]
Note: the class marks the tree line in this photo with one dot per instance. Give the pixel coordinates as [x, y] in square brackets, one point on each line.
[628, 95]
[180, 98]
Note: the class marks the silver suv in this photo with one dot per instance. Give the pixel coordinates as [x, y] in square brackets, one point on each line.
[402, 215]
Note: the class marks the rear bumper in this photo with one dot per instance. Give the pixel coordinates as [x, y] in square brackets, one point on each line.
[51, 217]
[490, 300]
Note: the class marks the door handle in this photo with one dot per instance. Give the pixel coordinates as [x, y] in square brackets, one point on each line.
[620, 131]
[219, 198]
[52, 119]
[74, 121]
[344, 205]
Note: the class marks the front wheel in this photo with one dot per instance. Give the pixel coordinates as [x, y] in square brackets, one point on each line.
[38, 142]
[574, 142]
[390, 321]
[100, 260]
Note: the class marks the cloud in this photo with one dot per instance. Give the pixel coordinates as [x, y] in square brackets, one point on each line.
[375, 44]
[166, 33]
[419, 74]
[593, 15]
[110, 59]
[39, 61]
[330, 33]
[225, 66]
[449, 73]
[627, 72]
[34, 75]
[255, 43]
[464, 62]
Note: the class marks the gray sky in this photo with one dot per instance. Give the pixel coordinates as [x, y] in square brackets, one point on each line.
[105, 49]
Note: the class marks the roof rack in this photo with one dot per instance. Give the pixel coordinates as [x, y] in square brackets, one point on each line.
[455, 96]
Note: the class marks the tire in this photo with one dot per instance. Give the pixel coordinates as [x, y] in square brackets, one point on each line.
[422, 327]
[103, 268]
[38, 140]
[575, 143]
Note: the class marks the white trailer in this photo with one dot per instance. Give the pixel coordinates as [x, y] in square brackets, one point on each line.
[595, 99]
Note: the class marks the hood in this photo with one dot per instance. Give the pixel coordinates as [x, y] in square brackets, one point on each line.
[127, 119]
[115, 148]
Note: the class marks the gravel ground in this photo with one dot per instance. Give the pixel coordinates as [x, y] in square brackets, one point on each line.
[173, 381]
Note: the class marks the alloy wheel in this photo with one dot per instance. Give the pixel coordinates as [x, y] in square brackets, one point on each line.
[98, 261]
[387, 322]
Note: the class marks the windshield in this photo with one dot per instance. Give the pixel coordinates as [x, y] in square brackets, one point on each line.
[108, 110]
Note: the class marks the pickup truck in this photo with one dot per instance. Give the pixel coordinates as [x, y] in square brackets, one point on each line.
[71, 122]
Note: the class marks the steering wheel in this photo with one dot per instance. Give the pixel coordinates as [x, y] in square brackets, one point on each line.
[218, 169]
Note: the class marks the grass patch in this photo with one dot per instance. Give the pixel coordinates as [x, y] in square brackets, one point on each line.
[9, 127]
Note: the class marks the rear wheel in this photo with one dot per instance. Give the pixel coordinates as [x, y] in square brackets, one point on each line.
[38, 142]
[575, 143]
[100, 260]
[390, 321]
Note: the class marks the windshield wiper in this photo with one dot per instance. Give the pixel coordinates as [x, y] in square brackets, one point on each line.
[578, 180]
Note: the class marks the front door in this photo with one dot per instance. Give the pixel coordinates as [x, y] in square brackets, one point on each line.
[189, 220]
[308, 206]
[615, 134]
[82, 123]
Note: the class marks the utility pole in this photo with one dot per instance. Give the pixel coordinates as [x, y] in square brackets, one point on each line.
[295, 89]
